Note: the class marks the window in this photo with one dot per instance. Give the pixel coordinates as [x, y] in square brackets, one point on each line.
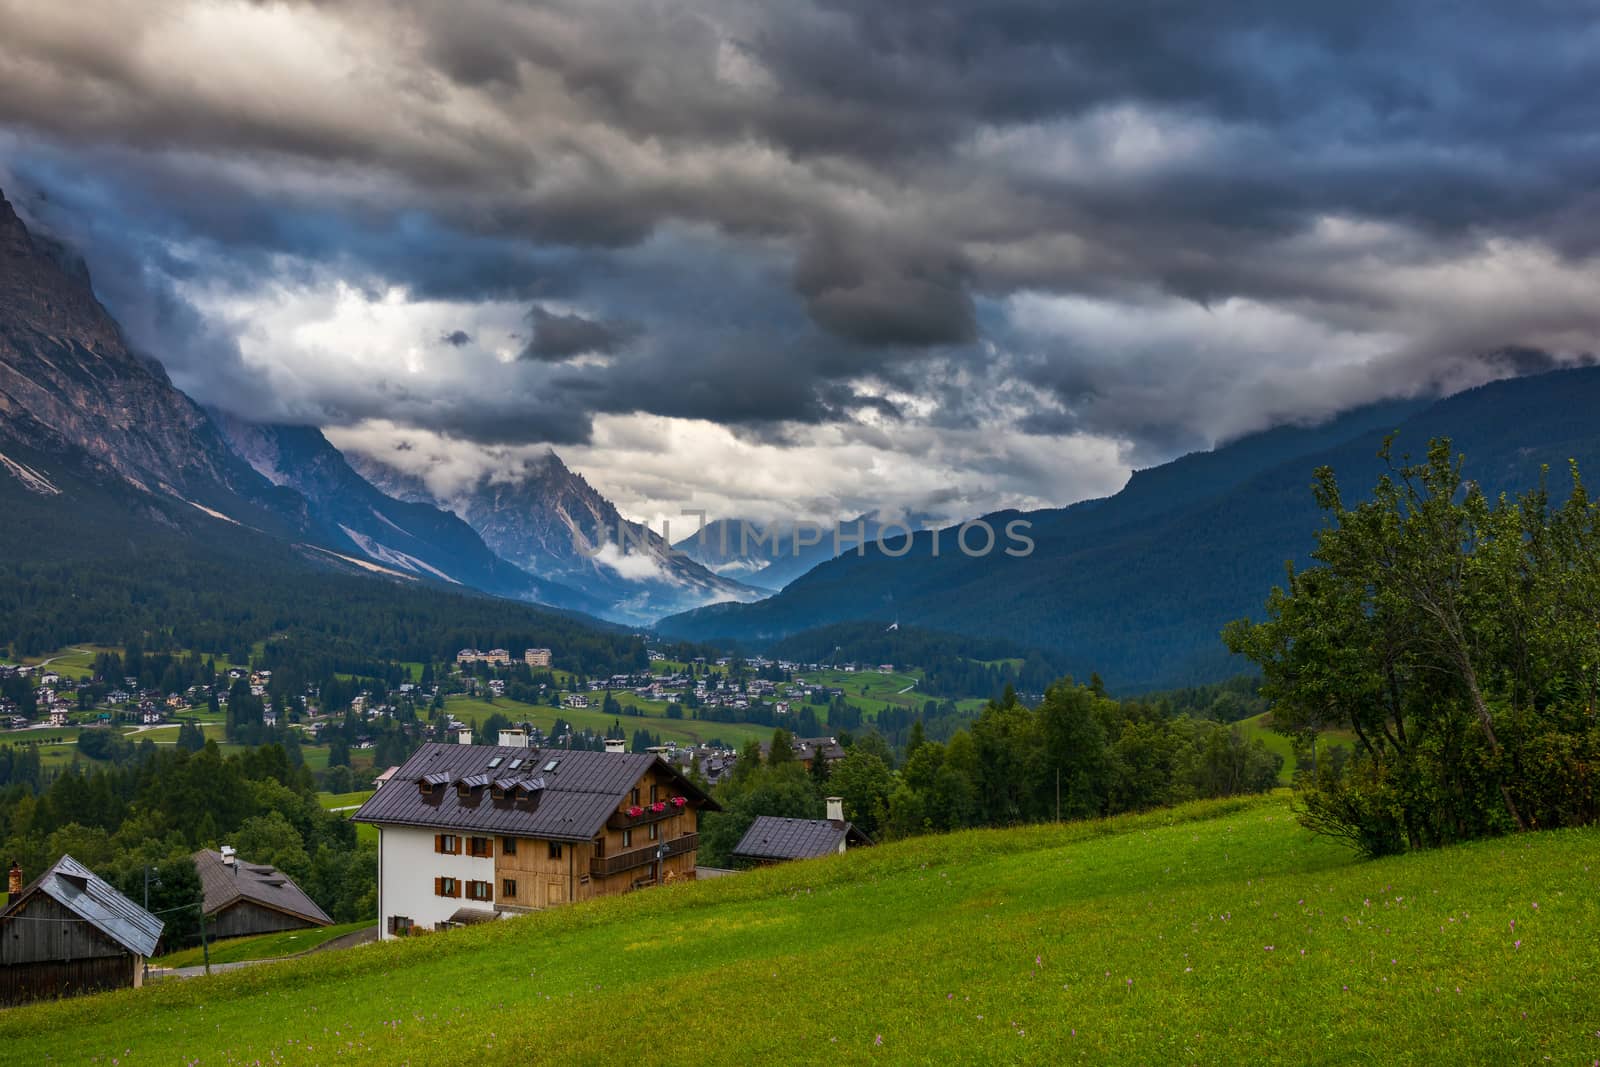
[555, 850]
[633, 797]
[496, 762]
[480, 891]
[399, 925]
[516, 763]
[446, 887]
[627, 839]
[508, 888]
[655, 830]
[425, 788]
[551, 765]
[447, 844]
[600, 847]
[654, 789]
[480, 846]
[508, 846]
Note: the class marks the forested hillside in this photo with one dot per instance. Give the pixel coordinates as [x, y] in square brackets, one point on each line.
[102, 565]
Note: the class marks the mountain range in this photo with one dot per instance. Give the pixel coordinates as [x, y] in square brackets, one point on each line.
[770, 555]
[1137, 586]
[84, 415]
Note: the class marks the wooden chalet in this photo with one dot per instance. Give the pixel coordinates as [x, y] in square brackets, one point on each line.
[71, 932]
[244, 898]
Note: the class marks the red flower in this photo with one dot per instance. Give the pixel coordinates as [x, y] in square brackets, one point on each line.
[635, 811]
[680, 801]
[658, 806]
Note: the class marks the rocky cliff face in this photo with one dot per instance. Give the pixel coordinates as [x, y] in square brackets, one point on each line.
[412, 536]
[70, 387]
[552, 523]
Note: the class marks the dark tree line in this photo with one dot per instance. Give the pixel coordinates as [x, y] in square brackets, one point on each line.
[1077, 754]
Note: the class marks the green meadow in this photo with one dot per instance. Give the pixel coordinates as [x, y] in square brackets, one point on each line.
[1259, 728]
[1220, 932]
[652, 717]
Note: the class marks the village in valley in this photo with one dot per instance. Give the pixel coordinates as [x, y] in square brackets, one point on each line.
[440, 769]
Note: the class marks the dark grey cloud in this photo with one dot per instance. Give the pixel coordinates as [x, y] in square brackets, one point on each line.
[557, 337]
[1240, 210]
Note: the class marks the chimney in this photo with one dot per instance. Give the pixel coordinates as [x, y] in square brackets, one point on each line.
[14, 879]
[835, 809]
[616, 744]
[464, 737]
[513, 739]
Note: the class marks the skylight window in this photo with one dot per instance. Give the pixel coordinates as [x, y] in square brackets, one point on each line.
[495, 762]
[516, 763]
[551, 765]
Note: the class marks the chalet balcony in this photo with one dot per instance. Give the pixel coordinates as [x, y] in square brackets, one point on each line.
[621, 820]
[605, 866]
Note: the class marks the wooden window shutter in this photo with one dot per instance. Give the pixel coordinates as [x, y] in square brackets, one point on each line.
[438, 842]
[438, 887]
[458, 844]
[457, 892]
[488, 848]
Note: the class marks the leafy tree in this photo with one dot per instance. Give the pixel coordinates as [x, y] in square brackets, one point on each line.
[271, 839]
[1457, 638]
[865, 782]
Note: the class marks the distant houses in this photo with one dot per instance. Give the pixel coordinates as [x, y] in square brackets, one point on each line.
[500, 657]
[776, 840]
[252, 898]
[808, 749]
[495, 657]
[71, 932]
[468, 833]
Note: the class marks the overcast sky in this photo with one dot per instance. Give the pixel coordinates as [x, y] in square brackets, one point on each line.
[816, 257]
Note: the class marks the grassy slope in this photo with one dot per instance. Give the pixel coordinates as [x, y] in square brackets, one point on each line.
[1258, 727]
[1219, 932]
[261, 946]
[330, 801]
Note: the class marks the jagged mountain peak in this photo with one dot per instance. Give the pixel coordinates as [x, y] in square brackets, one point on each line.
[548, 520]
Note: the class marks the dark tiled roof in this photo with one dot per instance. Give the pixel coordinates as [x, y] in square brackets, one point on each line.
[774, 838]
[578, 794]
[79, 890]
[224, 885]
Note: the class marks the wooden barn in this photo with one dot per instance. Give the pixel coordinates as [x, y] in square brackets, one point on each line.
[251, 898]
[70, 932]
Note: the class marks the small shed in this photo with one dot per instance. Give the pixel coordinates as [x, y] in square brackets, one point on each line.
[771, 839]
[252, 898]
[70, 932]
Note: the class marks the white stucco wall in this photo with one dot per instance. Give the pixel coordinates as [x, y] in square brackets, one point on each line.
[407, 866]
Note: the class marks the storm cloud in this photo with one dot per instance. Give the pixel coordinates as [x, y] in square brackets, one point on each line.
[557, 337]
[1138, 227]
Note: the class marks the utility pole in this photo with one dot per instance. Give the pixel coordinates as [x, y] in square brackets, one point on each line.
[205, 947]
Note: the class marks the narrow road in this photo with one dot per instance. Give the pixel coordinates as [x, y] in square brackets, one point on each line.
[359, 937]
